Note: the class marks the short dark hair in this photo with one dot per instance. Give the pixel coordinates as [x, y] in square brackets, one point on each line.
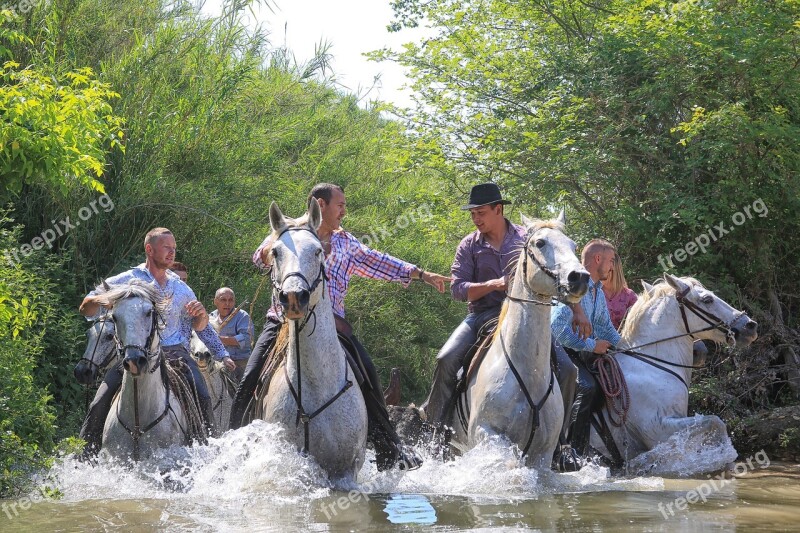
[324, 191]
[177, 266]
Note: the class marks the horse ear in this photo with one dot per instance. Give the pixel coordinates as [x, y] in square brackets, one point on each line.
[526, 221]
[276, 219]
[676, 283]
[562, 217]
[314, 214]
[647, 287]
[106, 286]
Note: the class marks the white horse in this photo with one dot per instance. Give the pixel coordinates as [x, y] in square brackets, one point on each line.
[220, 383]
[312, 396]
[100, 353]
[514, 392]
[146, 413]
[658, 333]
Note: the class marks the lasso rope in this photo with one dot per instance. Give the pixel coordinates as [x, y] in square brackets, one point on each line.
[189, 400]
[614, 387]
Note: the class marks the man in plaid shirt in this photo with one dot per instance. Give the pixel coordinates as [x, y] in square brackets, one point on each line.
[345, 256]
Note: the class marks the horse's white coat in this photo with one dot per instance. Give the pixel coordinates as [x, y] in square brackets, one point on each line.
[132, 315]
[496, 401]
[338, 435]
[659, 401]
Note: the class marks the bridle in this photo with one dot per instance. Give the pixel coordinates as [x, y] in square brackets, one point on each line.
[96, 367]
[137, 431]
[562, 289]
[322, 277]
[297, 394]
[156, 318]
[713, 321]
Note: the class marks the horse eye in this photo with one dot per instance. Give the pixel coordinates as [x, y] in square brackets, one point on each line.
[274, 252]
[109, 336]
[707, 299]
[540, 243]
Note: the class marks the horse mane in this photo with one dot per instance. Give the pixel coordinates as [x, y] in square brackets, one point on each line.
[134, 288]
[535, 225]
[660, 289]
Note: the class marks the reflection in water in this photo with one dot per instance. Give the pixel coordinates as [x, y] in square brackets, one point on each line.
[409, 509]
[250, 480]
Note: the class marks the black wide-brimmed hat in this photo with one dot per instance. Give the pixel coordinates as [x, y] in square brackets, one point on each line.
[484, 194]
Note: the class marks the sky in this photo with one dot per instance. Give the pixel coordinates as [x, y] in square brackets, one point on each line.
[352, 27]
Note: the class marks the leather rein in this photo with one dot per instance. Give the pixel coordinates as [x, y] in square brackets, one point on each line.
[137, 432]
[713, 321]
[535, 407]
[297, 394]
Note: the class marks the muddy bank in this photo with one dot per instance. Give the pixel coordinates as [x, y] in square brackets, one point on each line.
[776, 431]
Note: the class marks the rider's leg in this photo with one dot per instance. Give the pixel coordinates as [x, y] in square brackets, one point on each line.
[567, 374]
[585, 402]
[448, 362]
[95, 421]
[249, 381]
[380, 431]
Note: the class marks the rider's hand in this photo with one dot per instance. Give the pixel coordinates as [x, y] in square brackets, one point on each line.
[498, 284]
[436, 281]
[601, 346]
[195, 309]
[229, 364]
[580, 324]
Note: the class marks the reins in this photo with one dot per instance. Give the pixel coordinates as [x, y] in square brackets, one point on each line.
[297, 394]
[137, 432]
[535, 407]
[711, 319]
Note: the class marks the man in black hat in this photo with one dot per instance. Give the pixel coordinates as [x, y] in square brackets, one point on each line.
[480, 277]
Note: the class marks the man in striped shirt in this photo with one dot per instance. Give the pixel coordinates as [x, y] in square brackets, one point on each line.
[598, 258]
[345, 256]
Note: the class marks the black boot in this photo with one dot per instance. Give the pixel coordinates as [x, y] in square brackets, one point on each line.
[95, 421]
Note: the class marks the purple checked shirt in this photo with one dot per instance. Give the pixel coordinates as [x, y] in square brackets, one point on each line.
[349, 257]
[476, 262]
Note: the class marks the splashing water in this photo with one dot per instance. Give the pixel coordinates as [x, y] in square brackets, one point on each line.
[685, 454]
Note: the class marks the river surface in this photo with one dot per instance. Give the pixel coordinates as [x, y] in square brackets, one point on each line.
[249, 480]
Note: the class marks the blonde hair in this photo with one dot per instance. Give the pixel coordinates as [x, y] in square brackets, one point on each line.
[616, 282]
[154, 234]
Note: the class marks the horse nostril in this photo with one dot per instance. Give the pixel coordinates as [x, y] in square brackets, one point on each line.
[573, 277]
[752, 325]
[283, 298]
[304, 297]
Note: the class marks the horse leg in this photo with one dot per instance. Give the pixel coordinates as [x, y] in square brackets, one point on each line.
[697, 433]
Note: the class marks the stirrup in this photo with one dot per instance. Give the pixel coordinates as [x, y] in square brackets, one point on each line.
[568, 459]
[408, 459]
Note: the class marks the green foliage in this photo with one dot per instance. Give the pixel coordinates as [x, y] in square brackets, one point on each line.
[55, 129]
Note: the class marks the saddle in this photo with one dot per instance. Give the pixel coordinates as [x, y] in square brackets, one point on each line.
[475, 355]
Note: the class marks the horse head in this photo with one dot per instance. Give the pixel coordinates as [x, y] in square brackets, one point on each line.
[297, 259]
[560, 272]
[703, 311]
[136, 309]
[200, 352]
[100, 350]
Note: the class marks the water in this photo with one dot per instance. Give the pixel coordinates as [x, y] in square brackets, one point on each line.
[249, 480]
